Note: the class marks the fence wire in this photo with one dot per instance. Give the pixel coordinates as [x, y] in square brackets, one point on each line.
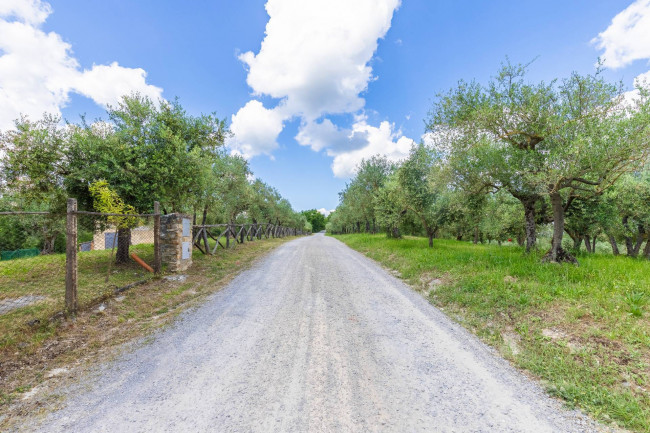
[32, 264]
[114, 253]
[33, 261]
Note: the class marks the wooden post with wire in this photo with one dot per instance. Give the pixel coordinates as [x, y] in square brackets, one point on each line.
[157, 260]
[71, 258]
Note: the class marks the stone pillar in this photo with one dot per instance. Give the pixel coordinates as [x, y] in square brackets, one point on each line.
[176, 241]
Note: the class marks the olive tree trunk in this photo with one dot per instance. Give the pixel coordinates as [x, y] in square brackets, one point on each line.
[123, 245]
[531, 224]
[557, 254]
[612, 242]
[577, 241]
[633, 246]
[48, 245]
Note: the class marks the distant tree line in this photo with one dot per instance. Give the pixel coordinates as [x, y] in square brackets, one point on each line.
[503, 159]
[315, 219]
[146, 151]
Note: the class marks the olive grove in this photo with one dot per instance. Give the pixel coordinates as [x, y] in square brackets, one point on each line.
[146, 151]
[509, 157]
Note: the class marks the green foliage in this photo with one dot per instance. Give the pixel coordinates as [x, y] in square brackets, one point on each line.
[504, 159]
[151, 151]
[503, 218]
[148, 151]
[628, 205]
[229, 189]
[421, 189]
[32, 158]
[388, 206]
[106, 200]
[358, 209]
[316, 219]
[635, 302]
[32, 169]
[537, 139]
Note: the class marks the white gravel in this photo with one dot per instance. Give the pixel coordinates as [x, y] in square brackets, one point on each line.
[314, 338]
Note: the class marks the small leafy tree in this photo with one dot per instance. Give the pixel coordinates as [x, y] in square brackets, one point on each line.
[106, 200]
[33, 165]
[420, 191]
[628, 204]
[389, 208]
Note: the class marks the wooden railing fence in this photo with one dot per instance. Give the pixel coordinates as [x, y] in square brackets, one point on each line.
[233, 234]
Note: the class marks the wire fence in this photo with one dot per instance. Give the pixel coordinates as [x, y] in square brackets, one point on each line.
[55, 263]
[32, 262]
[110, 253]
[113, 254]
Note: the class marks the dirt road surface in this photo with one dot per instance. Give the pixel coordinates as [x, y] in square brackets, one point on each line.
[313, 338]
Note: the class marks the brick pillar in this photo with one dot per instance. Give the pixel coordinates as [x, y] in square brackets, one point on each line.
[176, 241]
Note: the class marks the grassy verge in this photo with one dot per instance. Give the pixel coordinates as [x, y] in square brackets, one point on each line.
[584, 331]
[43, 277]
[28, 359]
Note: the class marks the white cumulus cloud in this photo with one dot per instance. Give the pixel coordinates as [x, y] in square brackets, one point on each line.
[255, 130]
[628, 36]
[106, 84]
[325, 212]
[32, 12]
[384, 140]
[628, 39]
[326, 135]
[315, 54]
[315, 58]
[38, 70]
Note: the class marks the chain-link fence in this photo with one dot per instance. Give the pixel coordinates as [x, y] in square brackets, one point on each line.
[32, 264]
[114, 253]
[52, 263]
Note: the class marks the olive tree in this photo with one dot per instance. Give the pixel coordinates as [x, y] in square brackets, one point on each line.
[149, 151]
[33, 166]
[562, 140]
[420, 191]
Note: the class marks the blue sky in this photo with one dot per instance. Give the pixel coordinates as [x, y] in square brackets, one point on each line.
[346, 80]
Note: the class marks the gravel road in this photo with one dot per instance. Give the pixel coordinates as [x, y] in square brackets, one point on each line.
[314, 338]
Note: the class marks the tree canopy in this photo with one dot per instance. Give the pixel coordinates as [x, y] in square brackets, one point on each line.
[565, 150]
[145, 151]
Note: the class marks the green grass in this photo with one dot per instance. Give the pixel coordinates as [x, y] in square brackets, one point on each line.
[584, 331]
[45, 276]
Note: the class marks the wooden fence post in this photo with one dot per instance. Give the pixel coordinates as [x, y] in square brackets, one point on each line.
[157, 259]
[71, 258]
